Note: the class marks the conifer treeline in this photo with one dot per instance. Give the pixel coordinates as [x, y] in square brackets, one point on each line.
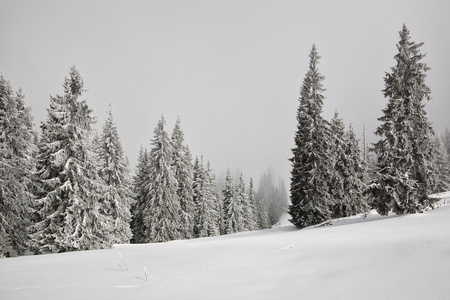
[330, 175]
[71, 190]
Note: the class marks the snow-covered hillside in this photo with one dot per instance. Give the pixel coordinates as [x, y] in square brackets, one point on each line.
[395, 257]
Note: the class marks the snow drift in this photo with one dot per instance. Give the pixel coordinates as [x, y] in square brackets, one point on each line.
[394, 257]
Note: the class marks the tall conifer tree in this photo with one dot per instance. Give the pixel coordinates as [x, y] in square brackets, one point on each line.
[183, 169]
[406, 173]
[140, 192]
[232, 209]
[16, 166]
[311, 163]
[162, 211]
[114, 171]
[70, 198]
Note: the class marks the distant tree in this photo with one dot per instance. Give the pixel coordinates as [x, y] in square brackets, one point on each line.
[16, 167]
[442, 163]
[311, 163]
[162, 211]
[248, 222]
[205, 199]
[272, 197]
[232, 208]
[251, 222]
[114, 171]
[183, 171]
[70, 195]
[447, 141]
[406, 173]
[140, 184]
[262, 219]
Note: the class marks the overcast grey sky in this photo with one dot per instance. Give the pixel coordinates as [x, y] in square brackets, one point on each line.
[231, 70]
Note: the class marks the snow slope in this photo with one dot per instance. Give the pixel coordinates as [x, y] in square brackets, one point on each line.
[395, 257]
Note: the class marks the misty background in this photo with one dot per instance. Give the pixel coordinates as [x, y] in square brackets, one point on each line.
[231, 70]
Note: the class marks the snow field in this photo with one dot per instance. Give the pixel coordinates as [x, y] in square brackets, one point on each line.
[395, 257]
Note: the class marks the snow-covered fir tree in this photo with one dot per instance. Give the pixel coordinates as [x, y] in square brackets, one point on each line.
[442, 163]
[340, 167]
[16, 166]
[70, 194]
[311, 163]
[183, 171]
[248, 222]
[140, 192]
[406, 175]
[114, 171]
[205, 198]
[355, 177]
[232, 209]
[251, 211]
[162, 211]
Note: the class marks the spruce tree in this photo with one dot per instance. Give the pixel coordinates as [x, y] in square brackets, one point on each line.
[162, 211]
[248, 222]
[140, 192]
[340, 170]
[114, 171]
[70, 194]
[355, 177]
[232, 208]
[183, 170]
[16, 166]
[311, 163]
[406, 173]
[252, 212]
[442, 163]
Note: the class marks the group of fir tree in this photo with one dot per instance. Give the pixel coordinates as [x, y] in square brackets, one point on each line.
[329, 172]
[179, 199]
[66, 190]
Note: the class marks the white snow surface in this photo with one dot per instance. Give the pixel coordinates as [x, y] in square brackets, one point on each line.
[394, 257]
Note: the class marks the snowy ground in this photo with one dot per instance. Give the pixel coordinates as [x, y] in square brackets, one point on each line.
[395, 257]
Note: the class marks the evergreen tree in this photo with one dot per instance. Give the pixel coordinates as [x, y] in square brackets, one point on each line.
[16, 166]
[70, 196]
[232, 209]
[355, 177]
[162, 211]
[206, 203]
[340, 169]
[183, 170]
[311, 163]
[252, 212]
[406, 174]
[115, 174]
[442, 163]
[248, 222]
[140, 192]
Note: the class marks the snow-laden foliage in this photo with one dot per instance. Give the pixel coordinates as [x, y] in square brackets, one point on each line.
[183, 170]
[442, 163]
[114, 171]
[17, 150]
[161, 214]
[69, 200]
[347, 185]
[406, 174]
[311, 163]
[205, 199]
[232, 208]
[140, 192]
